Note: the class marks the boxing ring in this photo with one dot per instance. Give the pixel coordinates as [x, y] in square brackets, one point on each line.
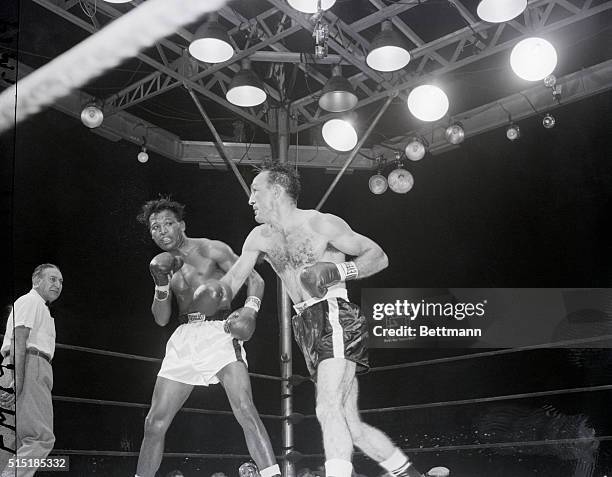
[386, 417]
[68, 72]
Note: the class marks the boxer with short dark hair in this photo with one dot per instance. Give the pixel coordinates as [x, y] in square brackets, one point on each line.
[207, 346]
[308, 250]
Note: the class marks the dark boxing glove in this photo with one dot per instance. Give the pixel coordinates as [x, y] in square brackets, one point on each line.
[162, 267]
[241, 323]
[211, 296]
[318, 277]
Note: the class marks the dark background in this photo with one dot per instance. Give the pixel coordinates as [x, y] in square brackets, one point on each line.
[532, 213]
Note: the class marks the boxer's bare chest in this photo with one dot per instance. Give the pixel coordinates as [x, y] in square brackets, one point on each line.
[198, 267]
[292, 249]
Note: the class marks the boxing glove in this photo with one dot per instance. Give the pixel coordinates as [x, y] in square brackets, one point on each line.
[163, 266]
[210, 297]
[241, 323]
[318, 277]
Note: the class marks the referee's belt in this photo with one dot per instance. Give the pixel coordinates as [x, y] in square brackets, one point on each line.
[333, 293]
[37, 352]
[197, 317]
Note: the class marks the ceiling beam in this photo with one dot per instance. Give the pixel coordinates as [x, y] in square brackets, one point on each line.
[492, 46]
[574, 87]
[177, 78]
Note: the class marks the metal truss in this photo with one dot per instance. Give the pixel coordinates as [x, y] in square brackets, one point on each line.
[261, 39]
[123, 125]
[463, 47]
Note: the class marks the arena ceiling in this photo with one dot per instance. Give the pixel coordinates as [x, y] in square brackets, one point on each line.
[156, 96]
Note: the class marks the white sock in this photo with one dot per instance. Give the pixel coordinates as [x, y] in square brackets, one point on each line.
[338, 468]
[270, 471]
[397, 460]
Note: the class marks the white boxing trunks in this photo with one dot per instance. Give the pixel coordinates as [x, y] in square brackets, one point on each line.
[197, 351]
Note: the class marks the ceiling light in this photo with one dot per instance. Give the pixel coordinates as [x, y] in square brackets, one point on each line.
[416, 149]
[338, 94]
[211, 43]
[378, 184]
[339, 134]
[428, 102]
[400, 180]
[92, 116]
[455, 134]
[513, 132]
[142, 155]
[117, 1]
[246, 89]
[388, 51]
[310, 6]
[533, 59]
[548, 121]
[498, 11]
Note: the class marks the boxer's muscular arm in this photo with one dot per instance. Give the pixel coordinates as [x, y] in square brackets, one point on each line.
[245, 265]
[369, 257]
[226, 258]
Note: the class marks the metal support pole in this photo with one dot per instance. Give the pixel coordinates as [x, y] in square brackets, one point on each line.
[355, 150]
[219, 143]
[284, 311]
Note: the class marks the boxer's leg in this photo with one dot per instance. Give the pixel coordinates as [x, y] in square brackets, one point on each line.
[235, 380]
[168, 397]
[334, 376]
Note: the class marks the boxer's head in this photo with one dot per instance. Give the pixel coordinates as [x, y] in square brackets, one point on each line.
[274, 185]
[164, 219]
[47, 280]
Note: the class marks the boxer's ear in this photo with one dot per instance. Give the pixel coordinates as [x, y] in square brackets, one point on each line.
[182, 225]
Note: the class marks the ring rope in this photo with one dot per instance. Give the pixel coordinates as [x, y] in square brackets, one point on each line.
[484, 354]
[104, 402]
[552, 392]
[121, 39]
[135, 454]
[414, 450]
[493, 445]
[116, 354]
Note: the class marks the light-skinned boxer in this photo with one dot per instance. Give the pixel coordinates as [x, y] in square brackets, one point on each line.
[308, 249]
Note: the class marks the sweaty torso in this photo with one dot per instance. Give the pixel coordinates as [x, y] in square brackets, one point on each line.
[290, 250]
[198, 267]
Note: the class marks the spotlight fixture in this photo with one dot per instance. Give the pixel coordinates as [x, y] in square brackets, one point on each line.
[246, 89]
[498, 11]
[388, 51]
[117, 1]
[551, 82]
[338, 94]
[548, 121]
[455, 134]
[339, 134]
[427, 102]
[311, 6]
[211, 43]
[416, 148]
[378, 183]
[143, 156]
[533, 59]
[400, 180]
[513, 132]
[92, 116]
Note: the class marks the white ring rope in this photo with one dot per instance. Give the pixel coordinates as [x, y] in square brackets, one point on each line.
[121, 39]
